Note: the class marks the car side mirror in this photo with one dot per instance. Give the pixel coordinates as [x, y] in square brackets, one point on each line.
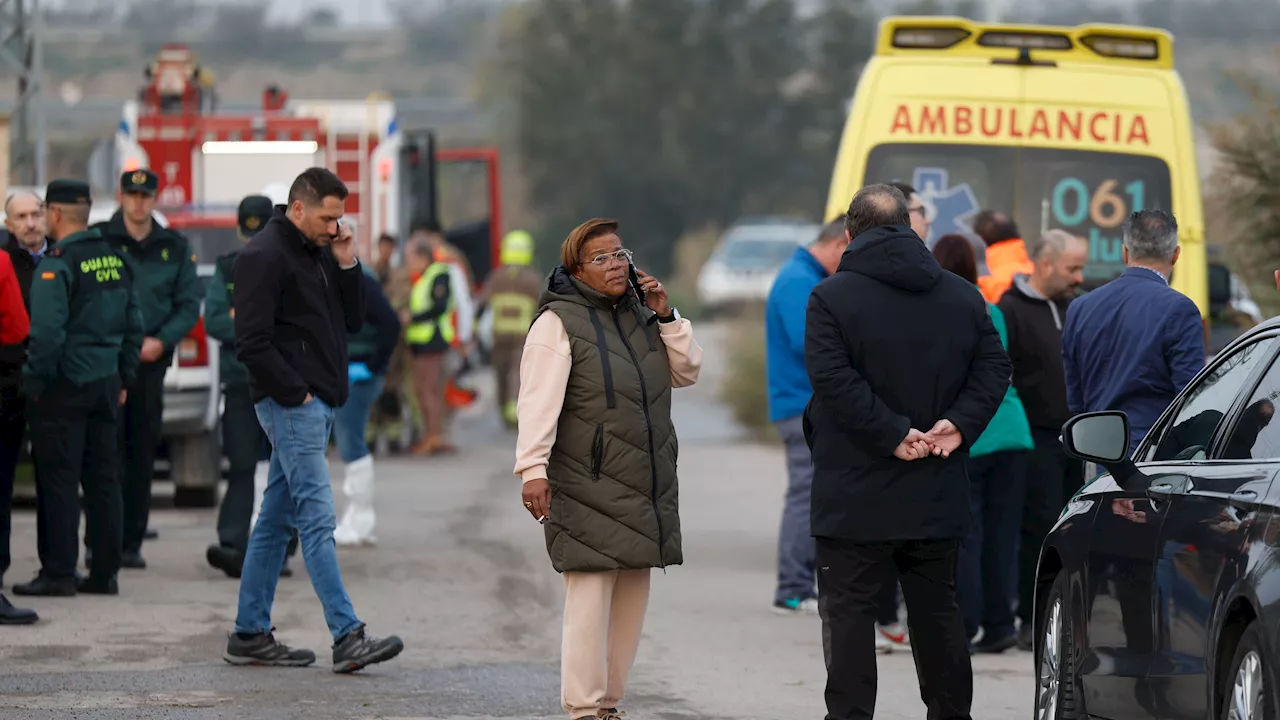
[1102, 438]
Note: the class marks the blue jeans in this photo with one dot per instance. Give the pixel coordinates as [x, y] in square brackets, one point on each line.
[987, 576]
[297, 496]
[795, 541]
[351, 420]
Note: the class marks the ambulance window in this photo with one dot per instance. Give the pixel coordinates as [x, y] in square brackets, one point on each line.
[1086, 193]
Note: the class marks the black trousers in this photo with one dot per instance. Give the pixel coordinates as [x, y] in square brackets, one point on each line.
[13, 426]
[1052, 478]
[139, 436]
[75, 441]
[245, 444]
[851, 577]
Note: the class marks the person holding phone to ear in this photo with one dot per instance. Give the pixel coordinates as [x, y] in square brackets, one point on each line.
[595, 431]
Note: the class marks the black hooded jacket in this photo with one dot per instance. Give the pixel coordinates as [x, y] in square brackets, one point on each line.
[295, 310]
[894, 342]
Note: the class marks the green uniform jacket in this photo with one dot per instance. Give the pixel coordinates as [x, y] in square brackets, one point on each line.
[612, 469]
[167, 286]
[218, 323]
[86, 323]
[1008, 430]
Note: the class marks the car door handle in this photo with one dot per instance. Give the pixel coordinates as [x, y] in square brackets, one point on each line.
[1161, 490]
[1244, 499]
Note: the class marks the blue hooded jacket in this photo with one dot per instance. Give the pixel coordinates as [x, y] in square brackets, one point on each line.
[788, 381]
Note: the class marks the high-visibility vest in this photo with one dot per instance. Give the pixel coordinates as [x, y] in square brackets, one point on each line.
[420, 301]
[512, 313]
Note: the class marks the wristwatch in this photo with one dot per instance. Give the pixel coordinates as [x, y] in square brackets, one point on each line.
[674, 316]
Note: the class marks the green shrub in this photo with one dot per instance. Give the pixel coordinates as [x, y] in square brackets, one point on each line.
[744, 389]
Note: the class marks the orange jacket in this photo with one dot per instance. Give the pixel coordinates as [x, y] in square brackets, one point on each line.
[1004, 259]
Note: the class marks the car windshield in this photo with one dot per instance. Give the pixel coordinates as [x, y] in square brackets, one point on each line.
[210, 243]
[761, 249]
[1088, 194]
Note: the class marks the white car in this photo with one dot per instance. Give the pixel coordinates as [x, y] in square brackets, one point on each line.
[747, 259]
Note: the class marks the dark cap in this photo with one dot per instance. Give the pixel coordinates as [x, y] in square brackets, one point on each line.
[139, 181]
[255, 211]
[67, 192]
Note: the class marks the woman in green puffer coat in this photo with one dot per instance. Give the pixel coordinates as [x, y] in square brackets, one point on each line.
[986, 579]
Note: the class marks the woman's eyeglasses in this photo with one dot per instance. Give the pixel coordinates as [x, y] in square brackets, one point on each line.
[603, 259]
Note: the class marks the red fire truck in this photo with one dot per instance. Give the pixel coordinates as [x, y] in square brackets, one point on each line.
[208, 160]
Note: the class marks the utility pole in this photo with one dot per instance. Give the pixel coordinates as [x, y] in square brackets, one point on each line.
[22, 52]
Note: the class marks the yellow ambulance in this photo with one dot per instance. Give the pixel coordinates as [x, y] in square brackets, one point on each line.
[1061, 127]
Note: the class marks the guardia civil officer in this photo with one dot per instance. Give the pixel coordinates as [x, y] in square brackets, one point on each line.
[86, 336]
[243, 440]
[169, 293]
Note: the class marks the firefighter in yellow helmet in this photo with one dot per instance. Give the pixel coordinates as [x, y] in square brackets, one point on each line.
[511, 295]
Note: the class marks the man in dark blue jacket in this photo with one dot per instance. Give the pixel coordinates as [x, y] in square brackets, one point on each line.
[369, 352]
[1134, 343]
[789, 392]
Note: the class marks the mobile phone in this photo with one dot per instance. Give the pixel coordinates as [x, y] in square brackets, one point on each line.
[635, 281]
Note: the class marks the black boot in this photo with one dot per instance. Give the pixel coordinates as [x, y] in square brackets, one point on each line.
[228, 560]
[45, 586]
[133, 560]
[10, 615]
[98, 586]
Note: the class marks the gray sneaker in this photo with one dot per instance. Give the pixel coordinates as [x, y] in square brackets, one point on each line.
[265, 650]
[358, 650]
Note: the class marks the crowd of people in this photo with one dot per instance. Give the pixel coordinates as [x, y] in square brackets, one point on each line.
[56, 329]
[896, 371]
[919, 401]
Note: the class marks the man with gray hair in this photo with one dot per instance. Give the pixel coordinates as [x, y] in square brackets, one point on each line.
[1134, 343]
[1034, 308]
[789, 391]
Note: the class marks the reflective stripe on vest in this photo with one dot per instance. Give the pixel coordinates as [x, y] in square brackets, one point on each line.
[420, 301]
[512, 313]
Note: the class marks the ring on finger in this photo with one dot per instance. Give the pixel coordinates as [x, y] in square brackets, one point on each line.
[529, 505]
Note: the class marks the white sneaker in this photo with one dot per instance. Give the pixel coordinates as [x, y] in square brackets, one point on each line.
[895, 633]
[883, 644]
[796, 607]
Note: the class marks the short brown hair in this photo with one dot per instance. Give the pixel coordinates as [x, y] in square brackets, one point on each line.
[571, 250]
[954, 253]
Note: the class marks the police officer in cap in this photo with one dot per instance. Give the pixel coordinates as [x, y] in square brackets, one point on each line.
[83, 351]
[170, 295]
[243, 441]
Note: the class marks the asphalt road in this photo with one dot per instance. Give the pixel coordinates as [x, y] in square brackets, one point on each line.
[462, 576]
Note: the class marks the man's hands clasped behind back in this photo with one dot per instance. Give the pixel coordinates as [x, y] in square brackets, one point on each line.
[941, 440]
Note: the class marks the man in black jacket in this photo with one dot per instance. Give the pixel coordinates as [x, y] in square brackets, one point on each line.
[894, 344]
[298, 292]
[1035, 308]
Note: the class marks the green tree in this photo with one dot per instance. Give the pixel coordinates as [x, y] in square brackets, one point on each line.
[1244, 196]
[673, 114]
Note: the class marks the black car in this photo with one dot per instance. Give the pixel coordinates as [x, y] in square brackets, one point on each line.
[1158, 591]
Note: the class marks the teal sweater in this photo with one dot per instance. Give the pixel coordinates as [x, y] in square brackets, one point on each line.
[1009, 430]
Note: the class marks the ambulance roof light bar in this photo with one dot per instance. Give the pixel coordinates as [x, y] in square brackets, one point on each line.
[931, 38]
[1025, 40]
[1122, 47]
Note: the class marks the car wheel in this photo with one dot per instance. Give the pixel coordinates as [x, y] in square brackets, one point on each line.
[1058, 691]
[195, 467]
[1246, 695]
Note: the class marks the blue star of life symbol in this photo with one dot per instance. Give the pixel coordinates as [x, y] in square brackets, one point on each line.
[950, 206]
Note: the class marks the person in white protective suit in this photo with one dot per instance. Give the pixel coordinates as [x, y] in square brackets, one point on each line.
[369, 352]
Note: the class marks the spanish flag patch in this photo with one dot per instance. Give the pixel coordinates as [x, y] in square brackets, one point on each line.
[46, 276]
